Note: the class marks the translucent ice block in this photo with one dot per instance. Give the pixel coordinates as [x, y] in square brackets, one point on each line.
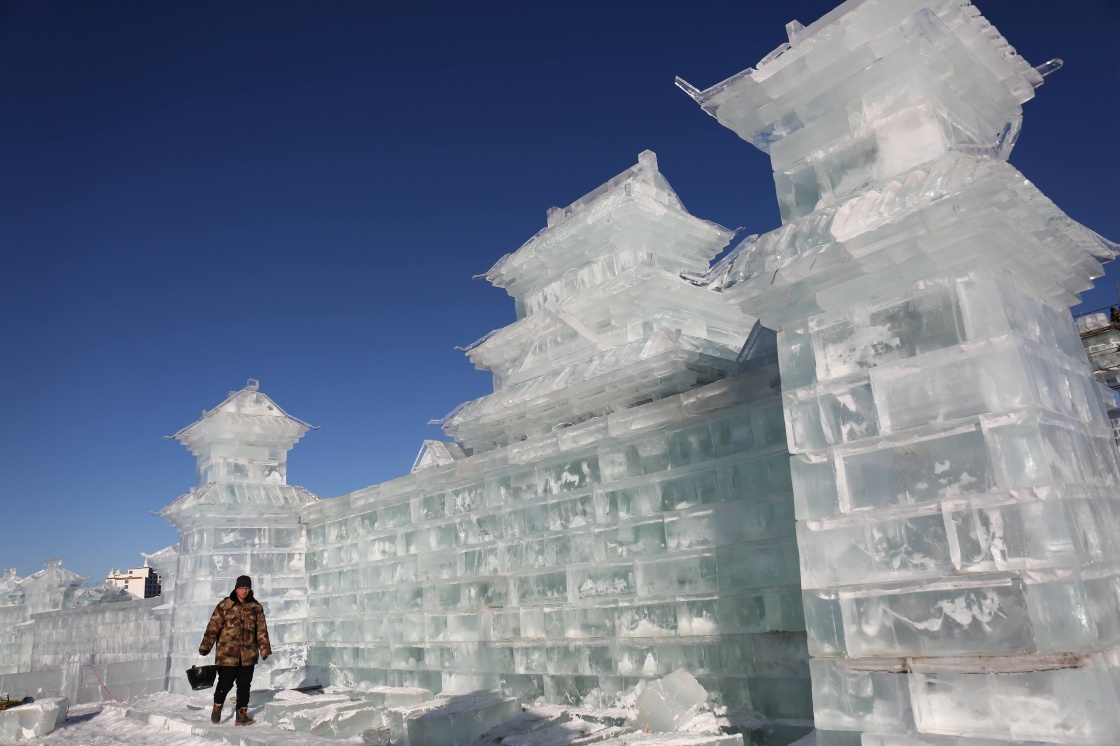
[668, 703]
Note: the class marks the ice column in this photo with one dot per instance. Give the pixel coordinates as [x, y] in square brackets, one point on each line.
[954, 473]
[242, 519]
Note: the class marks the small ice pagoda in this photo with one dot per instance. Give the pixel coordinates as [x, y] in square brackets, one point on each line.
[241, 519]
[954, 473]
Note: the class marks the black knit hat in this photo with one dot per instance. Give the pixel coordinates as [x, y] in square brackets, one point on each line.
[243, 581]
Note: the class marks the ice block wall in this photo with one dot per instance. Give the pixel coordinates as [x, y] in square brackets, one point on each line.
[54, 630]
[954, 474]
[124, 641]
[243, 521]
[617, 508]
[572, 565]
[15, 641]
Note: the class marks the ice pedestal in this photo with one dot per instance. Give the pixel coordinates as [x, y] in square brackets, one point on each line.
[953, 469]
[33, 720]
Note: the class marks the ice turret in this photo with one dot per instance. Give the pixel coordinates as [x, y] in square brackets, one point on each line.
[872, 90]
[954, 472]
[245, 439]
[243, 519]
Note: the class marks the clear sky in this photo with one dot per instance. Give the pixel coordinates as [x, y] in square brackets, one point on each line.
[196, 193]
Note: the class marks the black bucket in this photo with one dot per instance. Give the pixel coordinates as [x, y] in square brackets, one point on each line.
[202, 677]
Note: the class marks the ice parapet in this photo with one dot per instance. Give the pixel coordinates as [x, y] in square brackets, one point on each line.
[954, 472]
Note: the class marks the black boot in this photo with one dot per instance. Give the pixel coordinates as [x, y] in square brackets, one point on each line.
[216, 715]
[243, 717]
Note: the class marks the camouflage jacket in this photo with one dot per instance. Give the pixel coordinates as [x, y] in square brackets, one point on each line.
[239, 630]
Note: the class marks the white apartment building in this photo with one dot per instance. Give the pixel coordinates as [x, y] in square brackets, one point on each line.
[141, 582]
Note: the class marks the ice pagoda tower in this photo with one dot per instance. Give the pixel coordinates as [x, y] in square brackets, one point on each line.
[954, 474]
[604, 321]
[241, 519]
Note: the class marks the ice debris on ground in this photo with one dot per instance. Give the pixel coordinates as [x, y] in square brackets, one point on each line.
[400, 716]
[32, 720]
[668, 703]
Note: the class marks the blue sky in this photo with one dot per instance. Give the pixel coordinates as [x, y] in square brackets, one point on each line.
[193, 194]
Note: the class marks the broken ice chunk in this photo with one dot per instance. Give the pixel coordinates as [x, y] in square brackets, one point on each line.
[668, 703]
[32, 720]
[455, 720]
[533, 719]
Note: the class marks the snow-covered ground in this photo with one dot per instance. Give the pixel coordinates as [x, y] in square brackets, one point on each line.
[90, 725]
[176, 720]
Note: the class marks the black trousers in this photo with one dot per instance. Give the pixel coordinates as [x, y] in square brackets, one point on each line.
[243, 675]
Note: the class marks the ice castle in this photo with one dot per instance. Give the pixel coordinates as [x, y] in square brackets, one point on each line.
[936, 564]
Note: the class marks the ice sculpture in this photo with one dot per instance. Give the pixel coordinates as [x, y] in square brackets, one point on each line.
[242, 519]
[954, 473]
[617, 509]
[603, 320]
[53, 631]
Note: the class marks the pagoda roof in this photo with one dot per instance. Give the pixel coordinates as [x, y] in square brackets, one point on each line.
[247, 407]
[592, 319]
[756, 103]
[233, 496]
[556, 247]
[785, 271]
[435, 453]
[609, 381]
[53, 574]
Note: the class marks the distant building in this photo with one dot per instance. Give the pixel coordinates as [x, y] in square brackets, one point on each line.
[141, 582]
[1100, 335]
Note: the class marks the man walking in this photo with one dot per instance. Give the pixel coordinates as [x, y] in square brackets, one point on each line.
[238, 626]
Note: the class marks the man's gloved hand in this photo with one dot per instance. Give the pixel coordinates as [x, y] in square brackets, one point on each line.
[203, 650]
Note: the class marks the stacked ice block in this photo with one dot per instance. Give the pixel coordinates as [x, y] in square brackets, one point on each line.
[954, 474]
[577, 564]
[124, 641]
[51, 629]
[242, 519]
